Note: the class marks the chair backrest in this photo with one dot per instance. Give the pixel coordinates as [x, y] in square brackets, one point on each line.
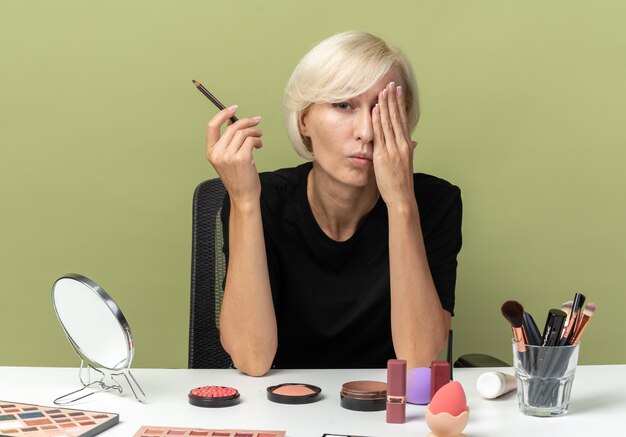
[208, 268]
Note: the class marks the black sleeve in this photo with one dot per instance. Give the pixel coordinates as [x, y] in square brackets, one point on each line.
[443, 245]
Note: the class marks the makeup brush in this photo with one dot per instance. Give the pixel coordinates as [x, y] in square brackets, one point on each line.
[588, 313]
[567, 308]
[532, 332]
[212, 98]
[513, 312]
[577, 305]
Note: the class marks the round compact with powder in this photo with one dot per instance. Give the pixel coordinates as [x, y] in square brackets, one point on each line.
[213, 396]
[293, 393]
[364, 395]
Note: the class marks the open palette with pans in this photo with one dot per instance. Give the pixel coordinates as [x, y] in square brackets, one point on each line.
[152, 431]
[30, 420]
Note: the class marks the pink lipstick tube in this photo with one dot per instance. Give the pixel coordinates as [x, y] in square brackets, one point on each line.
[396, 391]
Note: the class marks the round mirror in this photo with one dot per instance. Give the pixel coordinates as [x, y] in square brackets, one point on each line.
[93, 322]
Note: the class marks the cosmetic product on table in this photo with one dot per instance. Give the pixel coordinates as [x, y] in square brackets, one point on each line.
[294, 393]
[213, 396]
[553, 328]
[491, 385]
[153, 431]
[396, 391]
[545, 379]
[29, 420]
[364, 395]
[588, 313]
[514, 312]
[418, 386]
[530, 328]
[449, 355]
[448, 413]
[545, 372]
[439, 376]
[573, 320]
[566, 307]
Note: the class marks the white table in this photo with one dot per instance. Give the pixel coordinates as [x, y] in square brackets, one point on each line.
[598, 403]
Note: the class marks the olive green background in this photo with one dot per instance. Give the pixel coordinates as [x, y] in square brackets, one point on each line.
[102, 144]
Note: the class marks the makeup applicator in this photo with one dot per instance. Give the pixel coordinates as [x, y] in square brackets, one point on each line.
[574, 319]
[448, 413]
[566, 307]
[514, 312]
[588, 313]
[530, 328]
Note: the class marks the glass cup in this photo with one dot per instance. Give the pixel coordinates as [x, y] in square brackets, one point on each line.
[544, 378]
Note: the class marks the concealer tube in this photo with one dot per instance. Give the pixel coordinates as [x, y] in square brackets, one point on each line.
[491, 385]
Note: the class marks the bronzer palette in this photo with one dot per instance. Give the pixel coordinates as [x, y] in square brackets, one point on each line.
[30, 420]
[152, 431]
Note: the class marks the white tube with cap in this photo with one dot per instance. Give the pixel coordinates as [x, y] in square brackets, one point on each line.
[490, 385]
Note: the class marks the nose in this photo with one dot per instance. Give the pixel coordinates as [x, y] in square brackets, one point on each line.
[363, 129]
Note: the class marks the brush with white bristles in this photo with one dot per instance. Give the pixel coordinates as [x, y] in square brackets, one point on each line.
[588, 313]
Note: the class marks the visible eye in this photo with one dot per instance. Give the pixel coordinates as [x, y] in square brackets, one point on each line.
[344, 106]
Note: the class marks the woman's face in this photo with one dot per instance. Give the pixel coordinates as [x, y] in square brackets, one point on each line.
[341, 134]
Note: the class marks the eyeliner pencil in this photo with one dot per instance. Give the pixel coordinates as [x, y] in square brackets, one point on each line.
[450, 354]
[212, 98]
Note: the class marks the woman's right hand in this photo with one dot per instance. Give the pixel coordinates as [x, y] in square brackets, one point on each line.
[230, 154]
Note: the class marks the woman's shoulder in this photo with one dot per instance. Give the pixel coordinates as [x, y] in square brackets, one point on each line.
[423, 181]
[284, 177]
[283, 189]
[428, 179]
[434, 190]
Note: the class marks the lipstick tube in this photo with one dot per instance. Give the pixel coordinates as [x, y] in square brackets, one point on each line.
[439, 376]
[396, 391]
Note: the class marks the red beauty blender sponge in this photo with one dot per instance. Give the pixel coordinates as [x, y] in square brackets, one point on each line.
[449, 399]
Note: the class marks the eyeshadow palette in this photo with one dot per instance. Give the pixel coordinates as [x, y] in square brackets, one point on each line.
[152, 431]
[28, 420]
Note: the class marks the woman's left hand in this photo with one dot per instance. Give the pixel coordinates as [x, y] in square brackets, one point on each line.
[393, 148]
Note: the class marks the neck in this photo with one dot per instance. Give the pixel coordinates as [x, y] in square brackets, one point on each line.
[337, 208]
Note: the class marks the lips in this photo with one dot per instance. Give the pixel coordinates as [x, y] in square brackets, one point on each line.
[360, 160]
[362, 157]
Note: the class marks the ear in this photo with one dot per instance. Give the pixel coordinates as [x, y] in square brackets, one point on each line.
[303, 122]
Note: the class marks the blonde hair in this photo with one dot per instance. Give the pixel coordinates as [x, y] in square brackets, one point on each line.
[340, 68]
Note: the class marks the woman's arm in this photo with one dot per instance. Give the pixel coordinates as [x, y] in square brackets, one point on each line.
[247, 320]
[419, 324]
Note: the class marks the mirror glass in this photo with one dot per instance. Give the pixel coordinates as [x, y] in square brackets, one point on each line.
[93, 322]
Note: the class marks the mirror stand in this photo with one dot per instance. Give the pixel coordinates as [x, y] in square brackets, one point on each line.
[99, 334]
[104, 381]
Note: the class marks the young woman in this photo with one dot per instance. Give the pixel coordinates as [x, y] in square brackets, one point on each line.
[349, 259]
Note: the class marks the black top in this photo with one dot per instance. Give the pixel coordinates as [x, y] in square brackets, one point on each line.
[332, 298]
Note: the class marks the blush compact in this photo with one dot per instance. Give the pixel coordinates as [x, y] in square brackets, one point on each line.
[213, 396]
[293, 393]
[364, 395]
